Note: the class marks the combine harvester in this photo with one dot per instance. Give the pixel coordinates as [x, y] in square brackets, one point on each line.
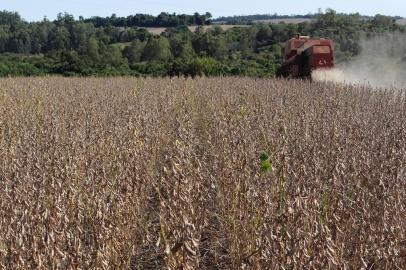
[302, 55]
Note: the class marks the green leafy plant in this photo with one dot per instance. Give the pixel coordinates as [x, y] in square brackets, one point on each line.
[266, 165]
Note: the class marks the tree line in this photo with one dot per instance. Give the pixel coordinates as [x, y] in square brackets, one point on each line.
[120, 46]
[144, 20]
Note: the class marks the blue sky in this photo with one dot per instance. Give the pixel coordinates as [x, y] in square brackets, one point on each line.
[36, 10]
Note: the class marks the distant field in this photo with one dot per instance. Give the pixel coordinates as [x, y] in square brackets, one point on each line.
[155, 30]
[292, 20]
[224, 27]
[300, 20]
[211, 173]
[121, 45]
[401, 21]
[160, 30]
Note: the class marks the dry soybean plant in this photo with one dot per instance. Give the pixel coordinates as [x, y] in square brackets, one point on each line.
[211, 173]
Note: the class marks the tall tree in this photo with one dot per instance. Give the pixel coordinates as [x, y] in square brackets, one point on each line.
[157, 49]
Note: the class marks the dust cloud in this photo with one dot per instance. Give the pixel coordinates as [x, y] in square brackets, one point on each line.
[381, 63]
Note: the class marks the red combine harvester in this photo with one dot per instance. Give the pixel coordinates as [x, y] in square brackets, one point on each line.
[303, 54]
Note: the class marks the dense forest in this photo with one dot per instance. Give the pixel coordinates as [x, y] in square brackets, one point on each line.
[123, 46]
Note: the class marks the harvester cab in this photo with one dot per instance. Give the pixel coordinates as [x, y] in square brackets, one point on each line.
[302, 55]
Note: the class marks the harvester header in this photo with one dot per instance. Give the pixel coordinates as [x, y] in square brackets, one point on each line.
[303, 54]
